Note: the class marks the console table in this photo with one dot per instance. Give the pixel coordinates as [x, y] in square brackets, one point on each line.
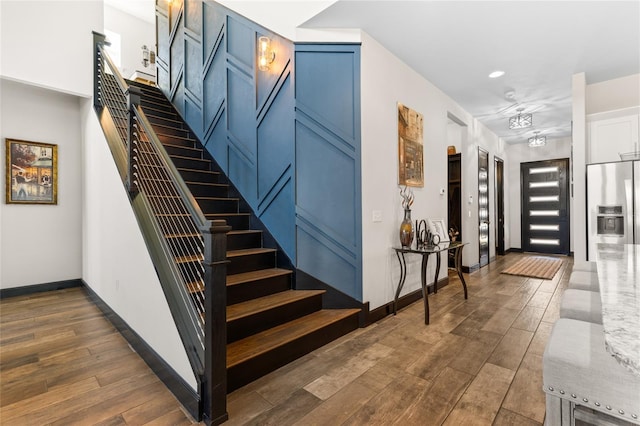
[425, 251]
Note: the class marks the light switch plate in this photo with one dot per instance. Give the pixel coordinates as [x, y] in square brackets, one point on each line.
[376, 216]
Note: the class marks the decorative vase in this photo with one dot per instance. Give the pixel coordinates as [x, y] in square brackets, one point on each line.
[406, 229]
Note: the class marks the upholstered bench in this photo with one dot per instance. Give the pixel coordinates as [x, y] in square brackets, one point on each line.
[585, 265]
[581, 305]
[578, 370]
[583, 280]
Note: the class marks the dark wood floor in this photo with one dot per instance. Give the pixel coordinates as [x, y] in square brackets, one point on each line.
[477, 363]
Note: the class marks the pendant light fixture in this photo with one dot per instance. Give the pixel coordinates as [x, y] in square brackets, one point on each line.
[537, 140]
[521, 120]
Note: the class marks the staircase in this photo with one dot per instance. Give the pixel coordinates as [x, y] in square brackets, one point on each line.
[269, 324]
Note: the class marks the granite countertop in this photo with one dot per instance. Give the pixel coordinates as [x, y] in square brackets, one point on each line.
[619, 278]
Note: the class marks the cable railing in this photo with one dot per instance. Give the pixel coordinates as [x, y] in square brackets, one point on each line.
[188, 251]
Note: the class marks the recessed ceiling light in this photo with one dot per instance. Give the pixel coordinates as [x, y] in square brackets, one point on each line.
[496, 74]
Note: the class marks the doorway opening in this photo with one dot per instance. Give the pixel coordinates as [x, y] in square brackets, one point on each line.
[545, 206]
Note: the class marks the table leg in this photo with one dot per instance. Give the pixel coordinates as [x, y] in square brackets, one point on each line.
[458, 263]
[403, 276]
[425, 290]
[435, 281]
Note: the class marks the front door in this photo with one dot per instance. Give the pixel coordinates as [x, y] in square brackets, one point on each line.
[483, 205]
[545, 206]
[499, 210]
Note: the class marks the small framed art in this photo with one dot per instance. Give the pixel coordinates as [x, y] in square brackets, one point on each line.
[31, 173]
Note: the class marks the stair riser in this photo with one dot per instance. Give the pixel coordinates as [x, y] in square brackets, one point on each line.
[218, 206]
[153, 119]
[190, 270]
[160, 113]
[191, 163]
[253, 289]
[244, 241]
[234, 221]
[246, 372]
[182, 151]
[252, 262]
[247, 326]
[154, 103]
[173, 131]
[175, 140]
[208, 190]
[200, 176]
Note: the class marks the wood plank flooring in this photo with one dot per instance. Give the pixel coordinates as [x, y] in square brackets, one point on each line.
[479, 362]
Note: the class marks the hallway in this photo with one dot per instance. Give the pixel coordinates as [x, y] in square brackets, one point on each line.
[479, 362]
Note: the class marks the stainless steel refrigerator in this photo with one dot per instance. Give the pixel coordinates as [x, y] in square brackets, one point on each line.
[613, 204]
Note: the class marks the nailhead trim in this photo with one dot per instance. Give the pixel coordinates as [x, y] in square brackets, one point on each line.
[596, 403]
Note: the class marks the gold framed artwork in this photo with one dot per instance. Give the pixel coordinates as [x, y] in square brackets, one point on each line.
[410, 149]
[32, 172]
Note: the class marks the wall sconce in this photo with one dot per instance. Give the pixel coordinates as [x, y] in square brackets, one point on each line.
[266, 56]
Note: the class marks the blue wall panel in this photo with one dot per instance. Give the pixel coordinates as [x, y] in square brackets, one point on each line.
[214, 89]
[177, 51]
[240, 42]
[193, 68]
[321, 80]
[242, 173]
[216, 142]
[212, 28]
[276, 123]
[193, 16]
[241, 113]
[292, 150]
[328, 179]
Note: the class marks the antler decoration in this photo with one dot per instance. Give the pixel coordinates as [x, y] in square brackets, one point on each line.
[407, 197]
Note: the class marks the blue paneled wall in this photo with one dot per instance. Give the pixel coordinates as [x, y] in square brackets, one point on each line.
[328, 192]
[290, 146]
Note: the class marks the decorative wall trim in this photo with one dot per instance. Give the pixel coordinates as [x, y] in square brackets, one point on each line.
[471, 268]
[39, 288]
[188, 397]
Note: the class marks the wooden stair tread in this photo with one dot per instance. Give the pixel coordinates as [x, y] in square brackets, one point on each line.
[189, 258]
[245, 277]
[260, 304]
[211, 172]
[249, 251]
[260, 343]
[245, 231]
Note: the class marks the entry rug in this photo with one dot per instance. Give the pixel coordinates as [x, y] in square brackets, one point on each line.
[535, 267]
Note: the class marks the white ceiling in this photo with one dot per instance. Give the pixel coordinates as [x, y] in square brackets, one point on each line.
[539, 44]
[456, 44]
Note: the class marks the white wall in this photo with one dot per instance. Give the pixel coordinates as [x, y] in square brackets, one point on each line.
[135, 33]
[522, 153]
[116, 263]
[91, 233]
[42, 243]
[612, 95]
[48, 43]
[385, 82]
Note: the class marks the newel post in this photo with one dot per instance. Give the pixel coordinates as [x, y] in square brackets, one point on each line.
[214, 384]
[133, 138]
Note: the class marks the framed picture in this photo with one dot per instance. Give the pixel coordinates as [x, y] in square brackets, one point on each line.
[439, 227]
[32, 172]
[410, 149]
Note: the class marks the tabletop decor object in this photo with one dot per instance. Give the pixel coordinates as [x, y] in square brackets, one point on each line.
[406, 226]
